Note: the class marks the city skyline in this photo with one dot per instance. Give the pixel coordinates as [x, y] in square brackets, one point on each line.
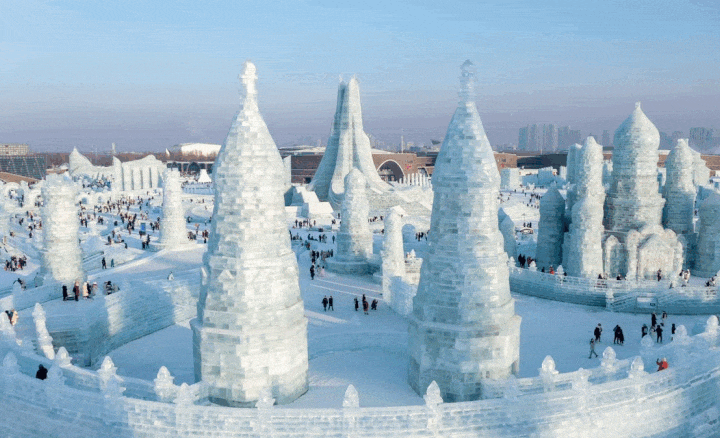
[149, 76]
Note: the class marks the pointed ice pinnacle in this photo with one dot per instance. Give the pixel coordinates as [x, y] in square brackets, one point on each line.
[352, 398]
[463, 328]
[251, 332]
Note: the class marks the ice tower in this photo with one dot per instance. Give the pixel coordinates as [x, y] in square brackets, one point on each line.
[463, 328]
[62, 256]
[348, 147]
[173, 232]
[551, 229]
[679, 189]
[250, 333]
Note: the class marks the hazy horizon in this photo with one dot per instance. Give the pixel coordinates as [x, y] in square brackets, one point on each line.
[147, 76]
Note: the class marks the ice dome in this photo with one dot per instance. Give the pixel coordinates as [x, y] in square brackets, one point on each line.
[637, 131]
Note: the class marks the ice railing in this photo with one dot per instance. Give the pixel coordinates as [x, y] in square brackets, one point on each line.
[680, 401]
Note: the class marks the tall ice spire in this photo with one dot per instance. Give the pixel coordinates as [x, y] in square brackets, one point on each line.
[463, 328]
[250, 334]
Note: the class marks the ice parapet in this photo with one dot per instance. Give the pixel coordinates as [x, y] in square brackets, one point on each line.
[172, 231]
[62, 256]
[463, 328]
[582, 254]
[348, 148]
[251, 332]
[550, 229]
[679, 190]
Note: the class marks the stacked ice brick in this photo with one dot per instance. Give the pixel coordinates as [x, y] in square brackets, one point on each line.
[354, 239]
[707, 258]
[582, 251]
[679, 189]
[62, 256]
[393, 252]
[173, 232]
[509, 178]
[250, 335]
[463, 328]
[550, 229]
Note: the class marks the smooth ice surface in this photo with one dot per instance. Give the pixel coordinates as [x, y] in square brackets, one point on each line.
[348, 148]
[463, 328]
[62, 256]
[250, 333]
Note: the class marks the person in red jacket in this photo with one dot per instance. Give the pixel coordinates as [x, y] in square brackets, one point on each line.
[662, 364]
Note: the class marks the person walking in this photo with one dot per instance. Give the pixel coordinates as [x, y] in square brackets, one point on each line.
[312, 272]
[616, 331]
[325, 303]
[357, 304]
[592, 348]
[658, 332]
[104, 263]
[65, 292]
[597, 332]
[365, 306]
[330, 303]
[76, 290]
[653, 319]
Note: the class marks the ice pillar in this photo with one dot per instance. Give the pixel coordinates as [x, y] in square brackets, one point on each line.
[173, 232]
[550, 229]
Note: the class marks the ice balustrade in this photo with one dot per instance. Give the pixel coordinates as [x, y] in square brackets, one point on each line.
[680, 401]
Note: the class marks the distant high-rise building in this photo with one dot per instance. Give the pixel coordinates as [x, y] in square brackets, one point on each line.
[550, 138]
[538, 138]
[567, 137]
[14, 149]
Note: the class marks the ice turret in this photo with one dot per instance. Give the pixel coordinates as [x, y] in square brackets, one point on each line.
[551, 229]
[62, 256]
[173, 232]
[348, 148]
[633, 200]
[679, 189]
[463, 328]
[250, 334]
[354, 239]
[582, 250]
[707, 260]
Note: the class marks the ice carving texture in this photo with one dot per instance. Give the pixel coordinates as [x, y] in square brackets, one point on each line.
[62, 256]
[582, 253]
[509, 178]
[173, 232]
[393, 252]
[507, 228]
[707, 260]
[251, 332]
[633, 200]
[550, 229]
[679, 189]
[354, 239]
[348, 148]
[463, 328]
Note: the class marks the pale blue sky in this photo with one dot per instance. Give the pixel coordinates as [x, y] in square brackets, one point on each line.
[150, 74]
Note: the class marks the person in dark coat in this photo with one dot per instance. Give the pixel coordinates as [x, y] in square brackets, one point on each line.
[357, 304]
[325, 303]
[374, 304]
[616, 331]
[597, 332]
[312, 272]
[653, 319]
[41, 373]
[365, 306]
[658, 332]
[644, 330]
[672, 333]
[330, 303]
[76, 290]
[65, 293]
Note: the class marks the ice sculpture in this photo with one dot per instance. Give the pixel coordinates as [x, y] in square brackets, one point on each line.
[507, 228]
[582, 250]
[572, 174]
[463, 328]
[348, 148]
[251, 332]
[354, 239]
[62, 256]
[707, 259]
[679, 189]
[551, 229]
[633, 200]
[546, 176]
[509, 178]
[393, 253]
[701, 173]
[173, 232]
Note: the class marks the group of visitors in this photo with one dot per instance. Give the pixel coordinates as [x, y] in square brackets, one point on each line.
[525, 261]
[12, 315]
[656, 329]
[365, 304]
[328, 303]
[16, 263]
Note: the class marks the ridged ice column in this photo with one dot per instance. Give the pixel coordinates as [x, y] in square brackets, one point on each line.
[633, 200]
[354, 239]
[582, 250]
[679, 189]
[393, 252]
[551, 229]
[463, 328]
[707, 258]
[62, 256]
[250, 334]
[173, 231]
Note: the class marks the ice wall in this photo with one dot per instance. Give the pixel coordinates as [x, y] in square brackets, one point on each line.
[633, 200]
[507, 228]
[582, 251]
[173, 231]
[707, 259]
[251, 333]
[348, 148]
[61, 255]
[393, 253]
[679, 190]
[509, 178]
[551, 229]
[463, 328]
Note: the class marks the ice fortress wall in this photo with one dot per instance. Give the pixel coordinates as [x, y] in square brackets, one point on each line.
[681, 401]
